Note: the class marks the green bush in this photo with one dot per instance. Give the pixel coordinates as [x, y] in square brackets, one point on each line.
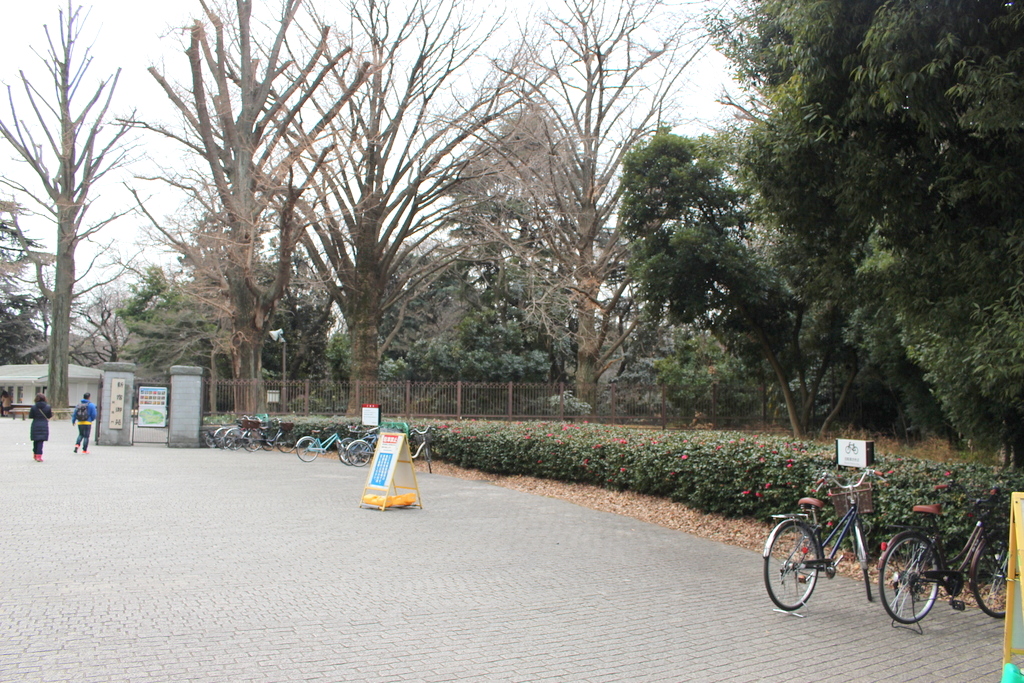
[725, 473]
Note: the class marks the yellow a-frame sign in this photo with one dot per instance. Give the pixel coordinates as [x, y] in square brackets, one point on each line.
[1013, 629]
[391, 481]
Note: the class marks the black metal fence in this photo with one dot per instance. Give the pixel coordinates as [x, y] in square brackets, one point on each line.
[719, 406]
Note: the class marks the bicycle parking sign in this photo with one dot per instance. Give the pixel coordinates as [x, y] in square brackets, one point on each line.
[854, 453]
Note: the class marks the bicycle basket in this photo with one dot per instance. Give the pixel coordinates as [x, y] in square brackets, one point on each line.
[287, 426]
[250, 424]
[842, 498]
[395, 427]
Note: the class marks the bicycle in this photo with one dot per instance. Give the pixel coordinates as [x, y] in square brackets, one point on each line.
[914, 566]
[227, 436]
[263, 439]
[420, 440]
[794, 552]
[360, 451]
[308, 448]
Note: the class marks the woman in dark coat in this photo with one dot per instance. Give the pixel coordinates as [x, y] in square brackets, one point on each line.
[40, 432]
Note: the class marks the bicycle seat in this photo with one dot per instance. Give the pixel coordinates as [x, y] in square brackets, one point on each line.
[935, 509]
[810, 503]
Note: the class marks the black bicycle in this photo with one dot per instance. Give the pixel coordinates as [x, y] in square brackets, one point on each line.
[269, 435]
[794, 553]
[914, 565]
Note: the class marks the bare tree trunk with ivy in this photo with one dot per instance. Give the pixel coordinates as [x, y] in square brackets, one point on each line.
[69, 144]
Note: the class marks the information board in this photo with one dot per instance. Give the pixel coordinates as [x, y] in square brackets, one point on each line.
[1013, 627]
[391, 481]
[116, 419]
[371, 414]
[152, 406]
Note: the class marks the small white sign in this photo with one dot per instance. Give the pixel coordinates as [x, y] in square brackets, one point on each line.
[854, 453]
[371, 415]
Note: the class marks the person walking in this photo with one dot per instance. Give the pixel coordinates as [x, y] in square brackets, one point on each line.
[40, 430]
[5, 403]
[83, 416]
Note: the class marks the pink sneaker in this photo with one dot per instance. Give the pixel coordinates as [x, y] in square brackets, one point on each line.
[85, 452]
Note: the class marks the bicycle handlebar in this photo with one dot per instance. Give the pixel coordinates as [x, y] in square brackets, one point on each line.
[830, 477]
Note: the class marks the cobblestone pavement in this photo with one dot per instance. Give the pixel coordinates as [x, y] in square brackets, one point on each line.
[152, 564]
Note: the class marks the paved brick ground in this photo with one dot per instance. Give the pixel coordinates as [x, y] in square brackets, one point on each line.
[151, 564]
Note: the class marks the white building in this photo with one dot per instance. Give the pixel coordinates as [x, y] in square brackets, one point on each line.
[23, 382]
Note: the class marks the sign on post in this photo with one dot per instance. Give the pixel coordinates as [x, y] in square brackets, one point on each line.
[391, 481]
[152, 406]
[116, 419]
[853, 453]
[371, 414]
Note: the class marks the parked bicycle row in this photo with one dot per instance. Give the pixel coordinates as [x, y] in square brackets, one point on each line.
[913, 565]
[355, 448]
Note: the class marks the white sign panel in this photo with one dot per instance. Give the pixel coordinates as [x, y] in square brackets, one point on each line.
[854, 453]
[371, 414]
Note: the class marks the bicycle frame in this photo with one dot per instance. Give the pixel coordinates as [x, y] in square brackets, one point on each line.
[322, 446]
[847, 524]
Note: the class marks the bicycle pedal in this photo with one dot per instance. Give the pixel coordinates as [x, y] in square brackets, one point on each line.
[958, 605]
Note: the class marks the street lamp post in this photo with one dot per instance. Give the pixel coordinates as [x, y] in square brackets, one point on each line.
[278, 336]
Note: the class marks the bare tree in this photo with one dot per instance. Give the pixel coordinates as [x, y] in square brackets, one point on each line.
[98, 334]
[243, 113]
[384, 199]
[598, 83]
[69, 144]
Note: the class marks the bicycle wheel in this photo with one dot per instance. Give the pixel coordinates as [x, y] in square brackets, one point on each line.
[269, 443]
[252, 439]
[788, 579]
[358, 453]
[303, 446]
[862, 556]
[342, 446]
[231, 439]
[906, 595]
[218, 436]
[988, 578]
[209, 439]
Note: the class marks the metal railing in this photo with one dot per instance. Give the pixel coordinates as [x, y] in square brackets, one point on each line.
[718, 406]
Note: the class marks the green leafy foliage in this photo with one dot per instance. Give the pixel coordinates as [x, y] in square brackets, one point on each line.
[729, 474]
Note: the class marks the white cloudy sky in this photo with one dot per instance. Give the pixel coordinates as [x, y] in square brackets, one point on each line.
[134, 35]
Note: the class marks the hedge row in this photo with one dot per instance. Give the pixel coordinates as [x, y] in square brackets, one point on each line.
[730, 474]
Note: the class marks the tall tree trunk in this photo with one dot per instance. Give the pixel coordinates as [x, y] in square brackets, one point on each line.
[58, 352]
[363, 319]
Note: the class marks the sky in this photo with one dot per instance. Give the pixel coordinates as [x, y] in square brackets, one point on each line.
[133, 36]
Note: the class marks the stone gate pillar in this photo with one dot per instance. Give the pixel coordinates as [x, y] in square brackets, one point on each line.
[114, 418]
[185, 414]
